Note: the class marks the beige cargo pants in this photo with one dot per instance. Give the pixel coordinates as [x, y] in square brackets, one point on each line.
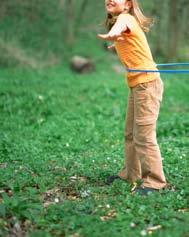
[142, 154]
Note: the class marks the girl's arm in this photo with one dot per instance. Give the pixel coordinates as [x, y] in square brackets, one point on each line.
[115, 33]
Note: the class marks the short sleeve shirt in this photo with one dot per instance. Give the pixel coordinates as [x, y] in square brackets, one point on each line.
[134, 52]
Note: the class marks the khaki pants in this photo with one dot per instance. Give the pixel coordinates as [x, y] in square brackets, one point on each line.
[142, 154]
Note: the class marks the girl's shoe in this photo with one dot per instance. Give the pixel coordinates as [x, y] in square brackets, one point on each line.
[111, 179]
[141, 190]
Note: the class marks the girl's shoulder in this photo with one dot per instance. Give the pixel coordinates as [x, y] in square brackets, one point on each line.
[128, 19]
[126, 16]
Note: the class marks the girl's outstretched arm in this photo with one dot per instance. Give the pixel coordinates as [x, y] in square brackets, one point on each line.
[115, 33]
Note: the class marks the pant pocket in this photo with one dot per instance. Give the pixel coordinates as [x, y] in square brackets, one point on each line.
[147, 105]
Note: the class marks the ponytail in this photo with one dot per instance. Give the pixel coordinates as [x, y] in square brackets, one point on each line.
[145, 22]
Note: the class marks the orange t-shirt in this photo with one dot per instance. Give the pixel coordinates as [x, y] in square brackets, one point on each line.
[134, 52]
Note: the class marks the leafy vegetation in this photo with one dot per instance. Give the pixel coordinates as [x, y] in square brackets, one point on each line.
[62, 135]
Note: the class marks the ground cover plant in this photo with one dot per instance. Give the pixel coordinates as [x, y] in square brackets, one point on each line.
[62, 135]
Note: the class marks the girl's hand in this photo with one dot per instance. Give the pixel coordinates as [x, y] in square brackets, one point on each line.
[108, 36]
[111, 46]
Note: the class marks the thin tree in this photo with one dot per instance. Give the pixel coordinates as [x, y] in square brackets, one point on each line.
[174, 29]
[70, 23]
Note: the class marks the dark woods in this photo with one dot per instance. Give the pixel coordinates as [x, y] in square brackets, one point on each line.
[50, 29]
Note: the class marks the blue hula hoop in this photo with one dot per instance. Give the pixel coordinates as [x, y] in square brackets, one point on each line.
[163, 70]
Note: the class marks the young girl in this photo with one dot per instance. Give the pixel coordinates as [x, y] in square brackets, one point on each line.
[126, 25]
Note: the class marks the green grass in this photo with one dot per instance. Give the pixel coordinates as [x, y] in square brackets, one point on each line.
[62, 135]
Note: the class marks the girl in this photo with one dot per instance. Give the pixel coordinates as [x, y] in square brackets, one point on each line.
[126, 25]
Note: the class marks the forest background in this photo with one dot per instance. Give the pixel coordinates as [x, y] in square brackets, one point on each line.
[38, 33]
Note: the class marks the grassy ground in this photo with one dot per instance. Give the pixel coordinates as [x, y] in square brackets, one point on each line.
[62, 135]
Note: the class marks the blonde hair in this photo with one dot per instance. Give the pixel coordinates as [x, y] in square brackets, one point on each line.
[144, 22]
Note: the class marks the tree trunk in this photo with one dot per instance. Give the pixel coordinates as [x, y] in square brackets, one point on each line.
[174, 29]
[81, 12]
[70, 23]
[159, 38]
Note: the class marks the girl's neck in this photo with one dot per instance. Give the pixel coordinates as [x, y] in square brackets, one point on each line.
[117, 14]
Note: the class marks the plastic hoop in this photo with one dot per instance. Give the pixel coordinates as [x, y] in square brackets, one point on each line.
[163, 70]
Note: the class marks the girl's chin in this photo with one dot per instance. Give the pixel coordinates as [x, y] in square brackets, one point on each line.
[111, 12]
